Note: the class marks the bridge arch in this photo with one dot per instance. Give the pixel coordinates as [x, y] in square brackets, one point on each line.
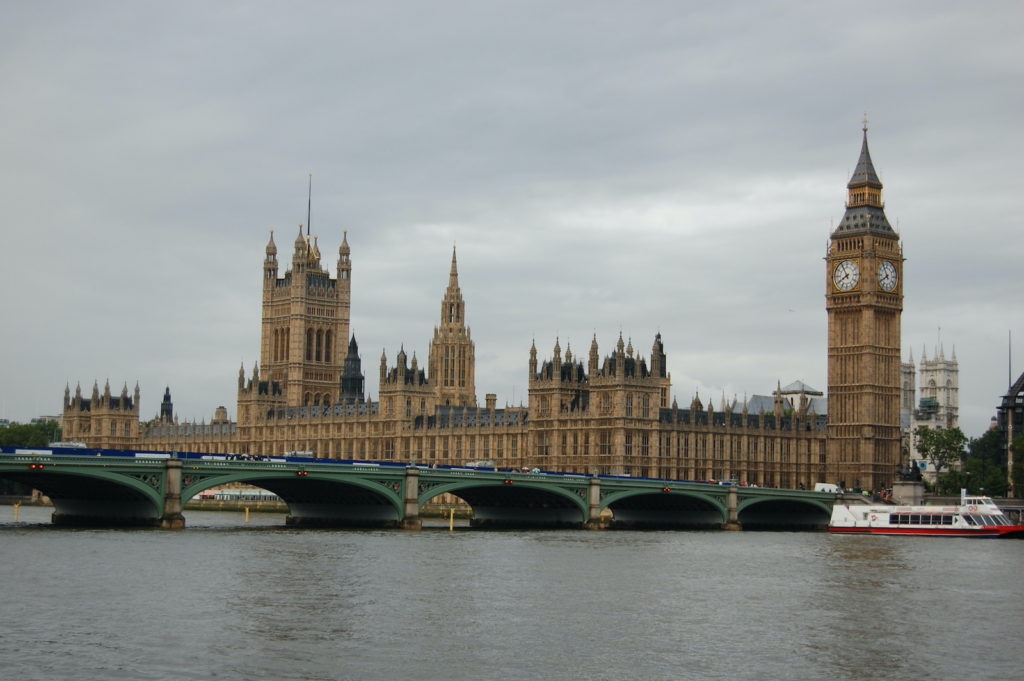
[96, 496]
[783, 513]
[317, 498]
[514, 502]
[658, 508]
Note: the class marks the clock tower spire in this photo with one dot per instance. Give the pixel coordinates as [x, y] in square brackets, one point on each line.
[864, 302]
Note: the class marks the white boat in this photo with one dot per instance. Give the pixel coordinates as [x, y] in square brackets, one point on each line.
[975, 516]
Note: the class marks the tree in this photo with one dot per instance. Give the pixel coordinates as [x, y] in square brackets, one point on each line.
[25, 435]
[984, 468]
[941, 447]
[29, 434]
[991, 447]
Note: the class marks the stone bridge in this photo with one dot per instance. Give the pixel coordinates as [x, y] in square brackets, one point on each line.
[116, 487]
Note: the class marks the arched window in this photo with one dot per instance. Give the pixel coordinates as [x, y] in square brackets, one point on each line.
[309, 345]
[327, 346]
[319, 345]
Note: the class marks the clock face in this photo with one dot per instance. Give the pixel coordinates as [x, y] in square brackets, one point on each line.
[846, 275]
[887, 276]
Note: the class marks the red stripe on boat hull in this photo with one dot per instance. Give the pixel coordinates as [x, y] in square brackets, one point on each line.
[1012, 531]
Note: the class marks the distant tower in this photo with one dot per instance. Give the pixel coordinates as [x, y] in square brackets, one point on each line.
[167, 407]
[352, 379]
[940, 387]
[105, 420]
[939, 404]
[452, 363]
[864, 302]
[305, 323]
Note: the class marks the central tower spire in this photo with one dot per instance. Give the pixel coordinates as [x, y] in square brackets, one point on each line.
[452, 362]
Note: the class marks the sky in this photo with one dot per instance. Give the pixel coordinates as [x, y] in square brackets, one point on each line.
[601, 167]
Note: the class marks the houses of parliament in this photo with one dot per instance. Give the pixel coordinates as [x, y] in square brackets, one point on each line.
[611, 413]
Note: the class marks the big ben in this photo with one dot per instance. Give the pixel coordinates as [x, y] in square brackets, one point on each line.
[864, 301]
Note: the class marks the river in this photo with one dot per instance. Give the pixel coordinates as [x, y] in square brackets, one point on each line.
[225, 599]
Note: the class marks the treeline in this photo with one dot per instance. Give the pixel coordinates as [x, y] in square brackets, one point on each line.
[25, 435]
[982, 461]
[29, 434]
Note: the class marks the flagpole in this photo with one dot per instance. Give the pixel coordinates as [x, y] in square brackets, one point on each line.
[309, 203]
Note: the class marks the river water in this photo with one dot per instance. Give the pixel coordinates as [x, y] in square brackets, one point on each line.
[229, 600]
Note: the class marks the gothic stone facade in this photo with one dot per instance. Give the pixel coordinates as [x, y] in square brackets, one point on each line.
[609, 415]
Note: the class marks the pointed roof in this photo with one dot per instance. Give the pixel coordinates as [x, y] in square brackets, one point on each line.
[864, 174]
[865, 211]
[453, 276]
[799, 387]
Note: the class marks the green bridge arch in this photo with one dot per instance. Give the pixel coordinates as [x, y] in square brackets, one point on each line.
[93, 491]
[665, 505]
[513, 500]
[314, 495]
[150, 488]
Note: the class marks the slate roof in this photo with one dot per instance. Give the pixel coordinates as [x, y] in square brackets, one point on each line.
[865, 173]
[800, 387]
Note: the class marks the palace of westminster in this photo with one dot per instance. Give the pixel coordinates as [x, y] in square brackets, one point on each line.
[611, 414]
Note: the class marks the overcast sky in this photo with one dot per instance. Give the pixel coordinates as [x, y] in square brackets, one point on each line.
[601, 167]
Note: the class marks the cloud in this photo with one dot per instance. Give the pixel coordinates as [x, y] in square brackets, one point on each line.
[601, 168]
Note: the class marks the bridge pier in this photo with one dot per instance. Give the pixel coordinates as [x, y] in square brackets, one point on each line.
[172, 519]
[410, 500]
[594, 521]
[731, 505]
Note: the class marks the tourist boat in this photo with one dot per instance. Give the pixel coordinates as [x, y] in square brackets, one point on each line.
[974, 517]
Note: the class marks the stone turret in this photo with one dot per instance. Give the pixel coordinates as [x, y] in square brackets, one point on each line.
[452, 359]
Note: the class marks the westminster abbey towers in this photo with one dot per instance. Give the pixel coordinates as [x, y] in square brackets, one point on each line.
[864, 300]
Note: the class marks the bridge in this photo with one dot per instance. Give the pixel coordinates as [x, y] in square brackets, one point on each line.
[128, 488]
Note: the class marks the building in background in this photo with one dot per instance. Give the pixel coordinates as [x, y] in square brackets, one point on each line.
[611, 413]
[929, 398]
[1010, 415]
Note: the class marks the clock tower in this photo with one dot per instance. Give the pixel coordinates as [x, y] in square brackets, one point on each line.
[864, 301]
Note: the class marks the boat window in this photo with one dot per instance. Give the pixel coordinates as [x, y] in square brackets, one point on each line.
[947, 520]
[915, 519]
[969, 519]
